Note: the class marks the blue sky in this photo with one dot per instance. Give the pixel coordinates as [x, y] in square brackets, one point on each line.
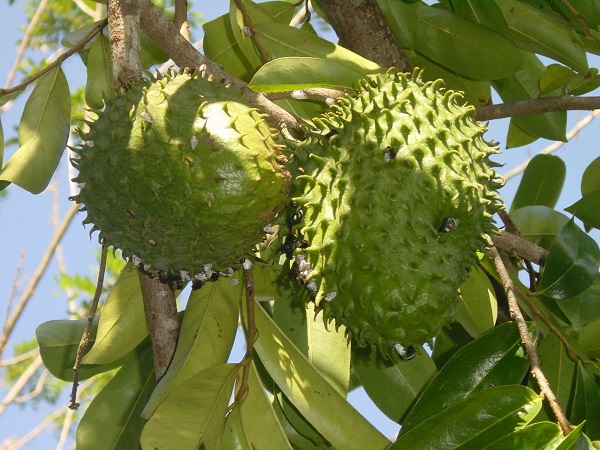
[26, 228]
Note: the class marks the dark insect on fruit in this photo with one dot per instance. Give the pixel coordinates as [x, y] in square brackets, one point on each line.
[449, 224]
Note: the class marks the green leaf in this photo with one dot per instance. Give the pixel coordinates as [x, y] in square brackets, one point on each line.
[572, 263]
[43, 134]
[123, 321]
[290, 73]
[451, 339]
[487, 14]
[586, 404]
[237, 23]
[463, 46]
[113, 420]
[542, 182]
[524, 85]
[589, 339]
[310, 393]
[570, 440]
[517, 136]
[539, 224]
[59, 340]
[587, 209]
[99, 86]
[282, 40]
[477, 309]
[328, 350]
[258, 419]
[393, 385]
[496, 358]
[234, 435]
[193, 415]
[583, 308]
[556, 76]
[75, 37]
[560, 371]
[590, 180]
[474, 422]
[205, 338]
[532, 437]
[534, 31]
[265, 281]
[403, 19]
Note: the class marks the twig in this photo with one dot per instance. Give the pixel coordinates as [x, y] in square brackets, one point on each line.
[180, 18]
[252, 333]
[579, 19]
[515, 312]
[66, 429]
[519, 246]
[85, 338]
[250, 28]
[18, 385]
[39, 272]
[555, 146]
[22, 357]
[536, 106]
[88, 37]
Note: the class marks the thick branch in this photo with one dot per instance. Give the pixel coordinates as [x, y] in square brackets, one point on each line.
[183, 53]
[536, 106]
[362, 28]
[125, 48]
[162, 320]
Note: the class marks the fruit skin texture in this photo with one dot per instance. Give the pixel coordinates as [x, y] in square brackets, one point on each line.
[380, 176]
[180, 172]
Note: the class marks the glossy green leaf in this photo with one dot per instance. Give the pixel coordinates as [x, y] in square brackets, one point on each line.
[472, 423]
[122, 324]
[234, 436]
[534, 31]
[560, 371]
[465, 47]
[205, 339]
[586, 403]
[59, 340]
[583, 308]
[487, 14]
[99, 84]
[288, 74]
[556, 76]
[496, 358]
[589, 339]
[524, 85]
[310, 393]
[451, 339]
[193, 415]
[542, 182]
[259, 423]
[590, 180]
[572, 263]
[403, 18]
[532, 437]
[539, 224]
[43, 134]
[113, 420]
[477, 308]
[281, 40]
[393, 385]
[587, 209]
[517, 136]
[569, 442]
[328, 350]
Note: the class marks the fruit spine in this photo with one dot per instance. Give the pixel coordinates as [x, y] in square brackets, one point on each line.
[180, 174]
[395, 193]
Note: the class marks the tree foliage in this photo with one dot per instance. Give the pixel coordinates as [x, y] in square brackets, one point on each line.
[490, 380]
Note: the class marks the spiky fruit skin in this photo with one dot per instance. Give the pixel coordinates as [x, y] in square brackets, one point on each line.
[180, 172]
[382, 174]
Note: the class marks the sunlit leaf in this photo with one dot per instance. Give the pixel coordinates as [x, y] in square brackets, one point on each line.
[193, 415]
[589, 339]
[569, 442]
[542, 182]
[123, 321]
[477, 309]
[587, 209]
[586, 403]
[539, 224]
[590, 180]
[572, 263]
[393, 385]
[585, 307]
[314, 397]
[517, 136]
[205, 338]
[43, 134]
[403, 18]
[556, 76]
[474, 422]
[532, 437]
[113, 420]
[496, 358]
[99, 86]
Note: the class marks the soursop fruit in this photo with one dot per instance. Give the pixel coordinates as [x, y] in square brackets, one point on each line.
[394, 195]
[181, 174]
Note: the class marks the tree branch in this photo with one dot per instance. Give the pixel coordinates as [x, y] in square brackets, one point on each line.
[536, 106]
[125, 47]
[515, 312]
[362, 28]
[525, 249]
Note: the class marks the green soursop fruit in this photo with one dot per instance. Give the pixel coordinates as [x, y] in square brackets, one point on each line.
[180, 174]
[395, 194]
